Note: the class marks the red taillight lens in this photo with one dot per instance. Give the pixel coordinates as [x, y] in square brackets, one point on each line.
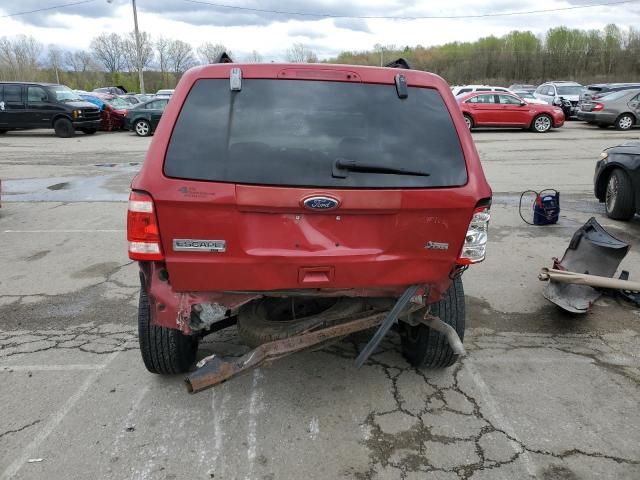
[475, 241]
[142, 228]
[597, 107]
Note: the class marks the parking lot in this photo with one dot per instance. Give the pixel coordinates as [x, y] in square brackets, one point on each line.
[541, 394]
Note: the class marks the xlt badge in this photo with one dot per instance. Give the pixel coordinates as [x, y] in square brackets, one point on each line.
[437, 245]
[192, 245]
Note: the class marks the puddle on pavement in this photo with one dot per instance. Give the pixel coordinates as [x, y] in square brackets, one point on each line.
[103, 187]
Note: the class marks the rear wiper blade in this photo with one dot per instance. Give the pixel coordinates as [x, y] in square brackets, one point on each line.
[342, 166]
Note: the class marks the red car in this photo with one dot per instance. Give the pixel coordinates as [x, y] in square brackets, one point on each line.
[481, 109]
[278, 196]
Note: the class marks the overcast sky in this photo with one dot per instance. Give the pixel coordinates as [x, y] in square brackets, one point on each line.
[271, 34]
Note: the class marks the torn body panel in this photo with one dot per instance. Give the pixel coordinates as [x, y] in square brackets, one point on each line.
[191, 312]
[592, 251]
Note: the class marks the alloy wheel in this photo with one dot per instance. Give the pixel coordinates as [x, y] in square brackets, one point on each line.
[542, 124]
[142, 129]
[625, 123]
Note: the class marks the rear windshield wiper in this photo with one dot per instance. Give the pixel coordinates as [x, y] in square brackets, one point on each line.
[342, 166]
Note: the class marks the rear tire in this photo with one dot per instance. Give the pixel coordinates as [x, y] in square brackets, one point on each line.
[619, 202]
[164, 350]
[427, 348]
[89, 131]
[625, 122]
[64, 128]
[541, 123]
[469, 121]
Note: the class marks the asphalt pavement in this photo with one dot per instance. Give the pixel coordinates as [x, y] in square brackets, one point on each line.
[541, 393]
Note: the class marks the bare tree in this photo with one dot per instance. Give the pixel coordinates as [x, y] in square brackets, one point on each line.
[54, 57]
[79, 61]
[299, 53]
[109, 51]
[210, 53]
[162, 54]
[180, 56]
[19, 57]
[130, 52]
[254, 57]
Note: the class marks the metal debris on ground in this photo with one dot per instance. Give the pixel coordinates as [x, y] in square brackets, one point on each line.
[588, 264]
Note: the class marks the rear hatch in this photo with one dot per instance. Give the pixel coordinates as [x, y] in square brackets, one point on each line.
[288, 184]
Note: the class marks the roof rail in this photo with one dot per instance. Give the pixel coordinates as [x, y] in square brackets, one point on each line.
[224, 58]
[399, 63]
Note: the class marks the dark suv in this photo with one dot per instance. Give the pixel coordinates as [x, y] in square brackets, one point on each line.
[284, 197]
[45, 105]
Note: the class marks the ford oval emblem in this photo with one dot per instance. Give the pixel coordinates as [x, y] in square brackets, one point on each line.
[321, 203]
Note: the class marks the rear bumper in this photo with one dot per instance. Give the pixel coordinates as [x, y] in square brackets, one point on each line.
[175, 309]
[596, 117]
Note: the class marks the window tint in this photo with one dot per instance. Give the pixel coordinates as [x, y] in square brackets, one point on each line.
[36, 94]
[508, 100]
[481, 89]
[482, 99]
[157, 105]
[569, 90]
[291, 132]
[13, 93]
[464, 90]
[500, 89]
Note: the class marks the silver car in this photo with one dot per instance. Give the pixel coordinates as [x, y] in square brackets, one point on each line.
[551, 92]
[620, 109]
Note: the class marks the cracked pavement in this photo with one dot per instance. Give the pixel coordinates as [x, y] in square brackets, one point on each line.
[541, 394]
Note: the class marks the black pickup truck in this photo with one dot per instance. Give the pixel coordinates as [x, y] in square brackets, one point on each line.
[26, 105]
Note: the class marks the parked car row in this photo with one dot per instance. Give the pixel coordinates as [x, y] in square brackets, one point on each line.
[604, 105]
[30, 105]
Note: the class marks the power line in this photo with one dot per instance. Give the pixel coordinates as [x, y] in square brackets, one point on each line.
[417, 17]
[46, 8]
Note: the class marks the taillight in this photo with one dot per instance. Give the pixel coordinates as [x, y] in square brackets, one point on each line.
[475, 241]
[597, 107]
[143, 234]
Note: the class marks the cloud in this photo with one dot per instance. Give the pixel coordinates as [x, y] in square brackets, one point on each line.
[305, 32]
[355, 24]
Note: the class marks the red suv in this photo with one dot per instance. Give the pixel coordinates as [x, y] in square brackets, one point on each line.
[273, 194]
[508, 110]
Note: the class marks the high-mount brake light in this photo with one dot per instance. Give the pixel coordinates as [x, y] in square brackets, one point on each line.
[142, 228]
[475, 241]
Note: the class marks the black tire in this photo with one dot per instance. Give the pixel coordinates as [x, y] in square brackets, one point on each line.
[426, 348]
[267, 319]
[625, 122]
[164, 350]
[64, 128]
[619, 202]
[2, 131]
[541, 123]
[468, 120]
[89, 131]
[142, 128]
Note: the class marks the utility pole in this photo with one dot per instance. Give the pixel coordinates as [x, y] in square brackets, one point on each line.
[139, 53]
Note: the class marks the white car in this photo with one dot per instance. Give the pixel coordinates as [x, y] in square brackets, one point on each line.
[461, 90]
[528, 97]
[166, 93]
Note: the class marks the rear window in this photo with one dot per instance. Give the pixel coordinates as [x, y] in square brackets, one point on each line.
[291, 132]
